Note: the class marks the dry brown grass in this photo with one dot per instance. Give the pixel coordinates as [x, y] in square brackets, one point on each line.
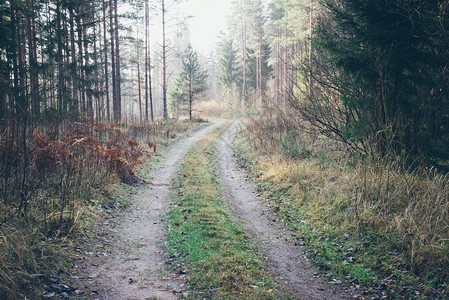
[405, 209]
[35, 247]
[211, 109]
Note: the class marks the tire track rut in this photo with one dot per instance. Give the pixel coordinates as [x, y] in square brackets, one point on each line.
[133, 265]
[286, 261]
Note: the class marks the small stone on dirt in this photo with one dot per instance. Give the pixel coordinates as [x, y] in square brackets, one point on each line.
[49, 294]
[55, 278]
[254, 287]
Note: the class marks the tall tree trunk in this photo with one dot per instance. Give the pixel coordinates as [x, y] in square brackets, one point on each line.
[244, 54]
[190, 108]
[164, 64]
[97, 79]
[21, 102]
[14, 55]
[115, 105]
[190, 97]
[67, 60]
[106, 74]
[87, 72]
[259, 82]
[59, 60]
[138, 81]
[81, 61]
[276, 73]
[117, 64]
[32, 57]
[257, 75]
[310, 48]
[147, 22]
[74, 108]
[285, 76]
[150, 81]
[150, 84]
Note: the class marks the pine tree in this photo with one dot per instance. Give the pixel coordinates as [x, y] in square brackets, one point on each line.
[230, 71]
[383, 61]
[193, 77]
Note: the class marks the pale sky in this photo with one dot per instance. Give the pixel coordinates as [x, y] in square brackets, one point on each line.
[209, 18]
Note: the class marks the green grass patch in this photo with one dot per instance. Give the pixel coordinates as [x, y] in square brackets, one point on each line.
[206, 241]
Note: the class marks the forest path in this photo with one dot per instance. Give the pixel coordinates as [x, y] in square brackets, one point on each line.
[286, 261]
[132, 266]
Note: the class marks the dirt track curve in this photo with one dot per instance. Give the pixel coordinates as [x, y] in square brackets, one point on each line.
[134, 267]
[286, 261]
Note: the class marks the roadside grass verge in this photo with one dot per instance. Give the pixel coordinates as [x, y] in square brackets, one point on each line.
[375, 224]
[38, 249]
[204, 239]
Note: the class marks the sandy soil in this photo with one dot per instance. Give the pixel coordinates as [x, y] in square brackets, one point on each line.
[286, 261]
[130, 262]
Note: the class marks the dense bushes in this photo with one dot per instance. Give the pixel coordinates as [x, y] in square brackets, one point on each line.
[380, 80]
[38, 168]
[46, 185]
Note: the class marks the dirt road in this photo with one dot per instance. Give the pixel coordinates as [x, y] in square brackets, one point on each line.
[133, 266]
[287, 261]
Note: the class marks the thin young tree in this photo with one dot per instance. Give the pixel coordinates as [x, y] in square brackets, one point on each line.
[138, 48]
[164, 6]
[32, 57]
[164, 62]
[148, 79]
[115, 101]
[193, 77]
[117, 64]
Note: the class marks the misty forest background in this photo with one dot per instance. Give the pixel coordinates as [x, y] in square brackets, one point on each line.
[371, 74]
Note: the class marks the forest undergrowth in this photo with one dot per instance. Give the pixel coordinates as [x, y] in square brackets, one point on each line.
[376, 223]
[54, 187]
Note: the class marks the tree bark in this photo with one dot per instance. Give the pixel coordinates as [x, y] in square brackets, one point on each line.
[32, 57]
[59, 60]
[97, 79]
[117, 64]
[87, 74]
[81, 61]
[115, 106]
[74, 107]
[106, 72]
[138, 81]
[147, 22]
[244, 54]
[310, 49]
[164, 64]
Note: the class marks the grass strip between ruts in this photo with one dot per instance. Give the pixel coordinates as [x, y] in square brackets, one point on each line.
[204, 239]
